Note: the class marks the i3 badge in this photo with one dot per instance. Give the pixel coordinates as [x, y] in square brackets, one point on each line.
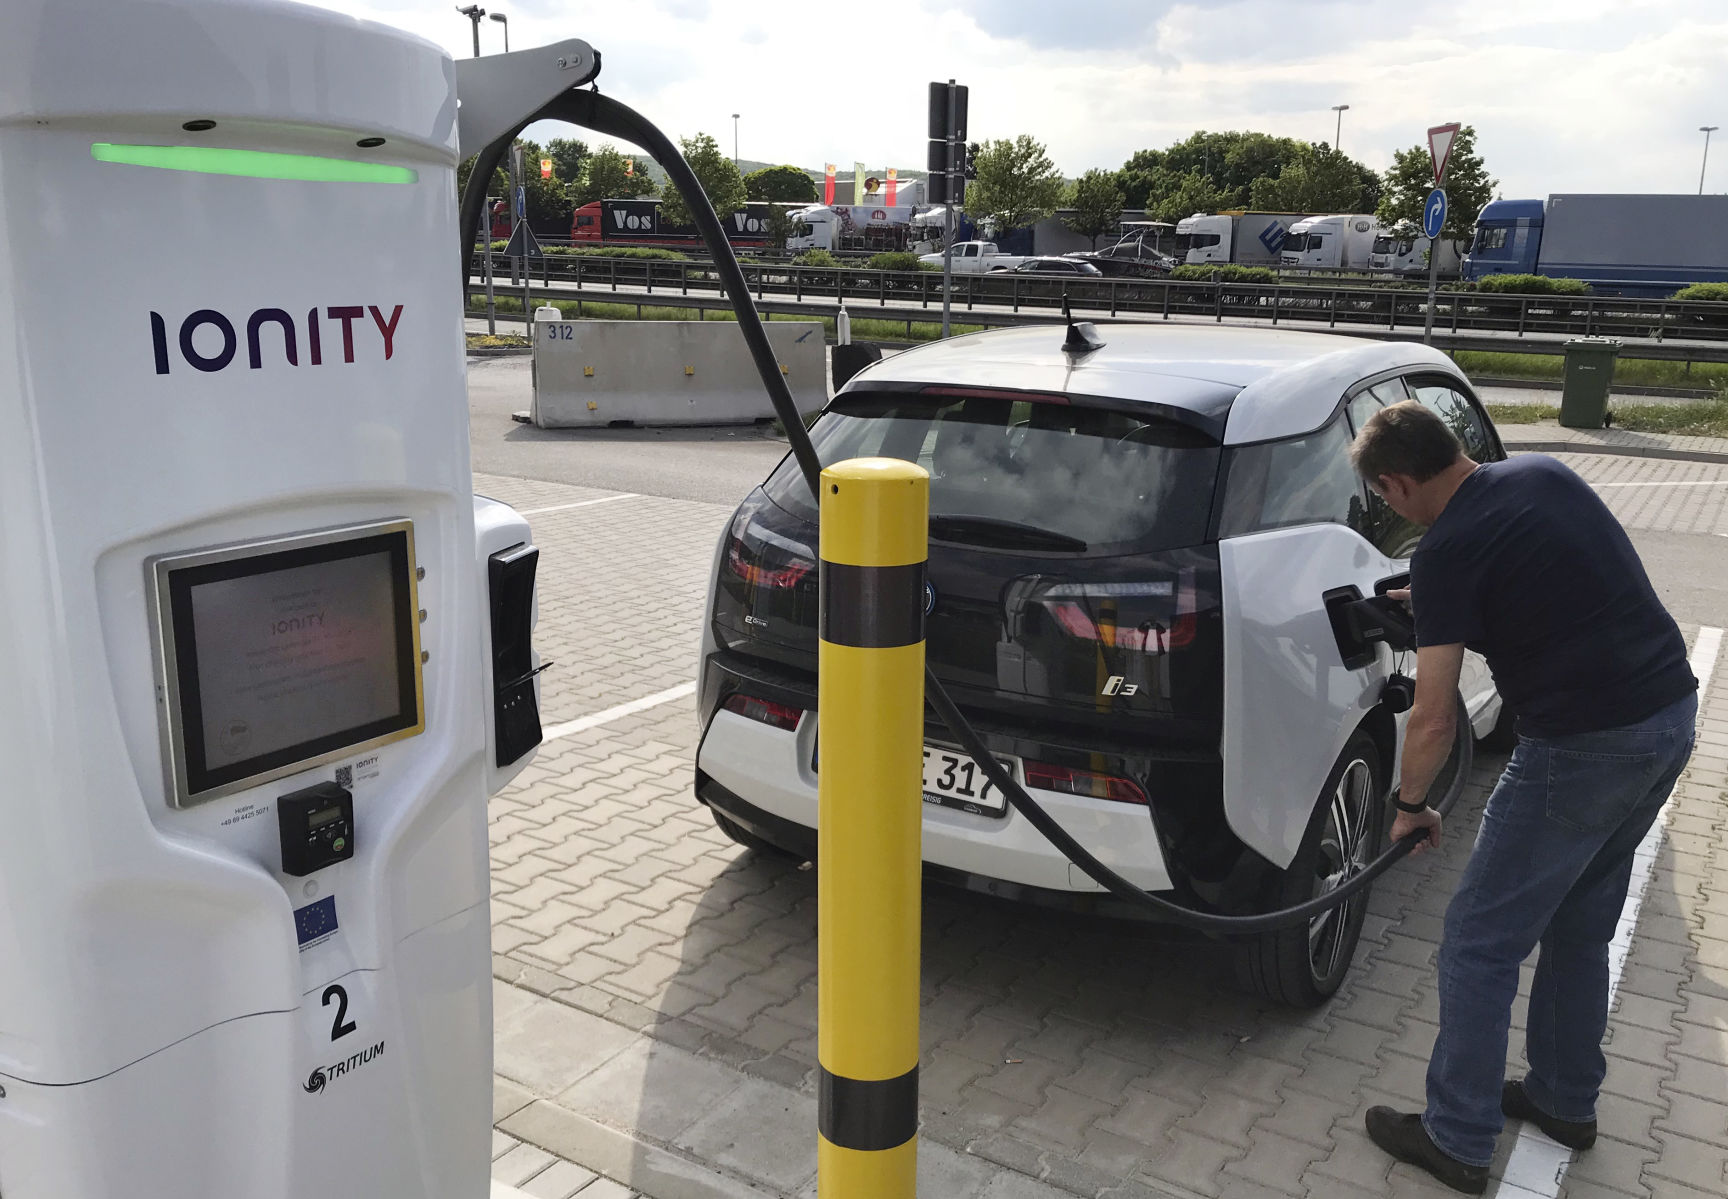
[929, 598]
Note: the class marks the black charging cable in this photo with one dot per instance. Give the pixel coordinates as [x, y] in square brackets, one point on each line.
[601, 113]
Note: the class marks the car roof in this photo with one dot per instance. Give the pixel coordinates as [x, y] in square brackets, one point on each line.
[1242, 384]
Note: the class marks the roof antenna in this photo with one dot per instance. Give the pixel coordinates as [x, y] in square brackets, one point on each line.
[1082, 335]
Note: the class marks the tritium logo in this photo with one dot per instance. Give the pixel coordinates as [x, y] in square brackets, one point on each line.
[289, 334]
[324, 1075]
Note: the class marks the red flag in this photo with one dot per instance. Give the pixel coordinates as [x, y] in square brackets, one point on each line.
[893, 187]
[545, 168]
[828, 184]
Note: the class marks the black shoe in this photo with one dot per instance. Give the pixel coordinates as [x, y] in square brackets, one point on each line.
[1515, 1105]
[1401, 1134]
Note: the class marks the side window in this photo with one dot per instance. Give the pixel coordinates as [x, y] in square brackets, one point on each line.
[1303, 481]
[1391, 534]
[1451, 406]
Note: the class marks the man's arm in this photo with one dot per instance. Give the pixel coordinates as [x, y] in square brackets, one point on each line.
[1428, 737]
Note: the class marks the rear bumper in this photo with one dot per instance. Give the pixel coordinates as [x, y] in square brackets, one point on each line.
[762, 777]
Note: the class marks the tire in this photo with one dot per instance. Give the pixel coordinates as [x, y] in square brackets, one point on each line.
[1304, 966]
[748, 839]
[1503, 737]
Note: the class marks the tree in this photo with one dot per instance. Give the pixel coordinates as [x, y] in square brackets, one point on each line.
[1228, 163]
[1411, 177]
[1097, 205]
[717, 174]
[1186, 195]
[777, 228]
[781, 183]
[603, 178]
[1319, 179]
[566, 155]
[548, 200]
[1017, 184]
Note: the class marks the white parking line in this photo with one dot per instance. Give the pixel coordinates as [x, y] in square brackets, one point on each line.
[1537, 1165]
[583, 723]
[605, 499]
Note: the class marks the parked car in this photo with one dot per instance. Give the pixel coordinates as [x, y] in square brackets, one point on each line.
[974, 258]
[1138, 557]
[1052, 264]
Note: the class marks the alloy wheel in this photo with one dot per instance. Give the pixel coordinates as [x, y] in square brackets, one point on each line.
[1344, 850]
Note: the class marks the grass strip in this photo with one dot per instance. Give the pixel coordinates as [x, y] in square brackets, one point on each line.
[863, 328]
[1637, 372]
[1698, 418]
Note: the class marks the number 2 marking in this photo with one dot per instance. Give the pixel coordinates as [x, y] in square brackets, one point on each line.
[341, 1026]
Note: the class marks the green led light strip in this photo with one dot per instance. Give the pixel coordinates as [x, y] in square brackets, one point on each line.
[254, 164]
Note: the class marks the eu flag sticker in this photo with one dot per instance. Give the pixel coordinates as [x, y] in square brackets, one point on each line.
[315, 921]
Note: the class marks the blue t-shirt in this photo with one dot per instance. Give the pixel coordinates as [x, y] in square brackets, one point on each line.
[1526, 566]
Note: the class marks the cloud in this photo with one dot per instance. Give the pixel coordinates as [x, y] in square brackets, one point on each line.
[1566, 95]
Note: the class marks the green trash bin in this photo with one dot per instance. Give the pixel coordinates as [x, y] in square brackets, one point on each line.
[1589, 372]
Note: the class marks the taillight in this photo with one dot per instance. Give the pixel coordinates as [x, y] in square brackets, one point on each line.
[781, 716]
[1088, 783]
[780, 577]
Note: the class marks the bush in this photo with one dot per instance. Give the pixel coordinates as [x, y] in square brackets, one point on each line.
[898, 260]
[648, 253]
[815, 258]
[1703, 291]
[1533, 285]
[1225, 273]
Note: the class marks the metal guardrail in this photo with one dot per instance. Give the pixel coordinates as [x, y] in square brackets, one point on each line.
[1372, 310]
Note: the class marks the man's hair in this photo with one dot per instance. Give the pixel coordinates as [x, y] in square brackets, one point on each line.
[1404, 439]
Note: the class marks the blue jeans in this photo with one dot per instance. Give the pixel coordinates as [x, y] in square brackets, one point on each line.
[1551, 867]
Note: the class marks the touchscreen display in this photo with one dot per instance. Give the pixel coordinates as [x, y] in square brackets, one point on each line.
[290, 655]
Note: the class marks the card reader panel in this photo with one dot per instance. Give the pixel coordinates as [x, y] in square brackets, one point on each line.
[317, 827]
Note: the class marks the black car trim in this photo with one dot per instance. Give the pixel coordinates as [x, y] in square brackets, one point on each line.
[1209, 420]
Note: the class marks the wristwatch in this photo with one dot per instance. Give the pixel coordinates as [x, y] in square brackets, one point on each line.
[1409, 808]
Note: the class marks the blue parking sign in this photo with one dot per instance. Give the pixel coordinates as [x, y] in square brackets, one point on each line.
[1434, 214]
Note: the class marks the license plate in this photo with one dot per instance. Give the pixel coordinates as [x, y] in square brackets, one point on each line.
[953, 780]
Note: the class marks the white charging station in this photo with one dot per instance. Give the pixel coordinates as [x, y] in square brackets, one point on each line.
[263, 654]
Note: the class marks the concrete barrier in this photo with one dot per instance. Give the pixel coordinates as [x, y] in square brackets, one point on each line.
[596, 373]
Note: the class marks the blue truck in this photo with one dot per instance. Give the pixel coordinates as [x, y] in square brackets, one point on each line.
[1625, 245]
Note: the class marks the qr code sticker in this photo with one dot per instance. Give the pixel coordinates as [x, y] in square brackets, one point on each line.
[345, 776]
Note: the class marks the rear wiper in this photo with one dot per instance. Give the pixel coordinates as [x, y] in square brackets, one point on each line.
[991, 530]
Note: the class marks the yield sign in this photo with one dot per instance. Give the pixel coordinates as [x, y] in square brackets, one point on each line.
[1440, 147]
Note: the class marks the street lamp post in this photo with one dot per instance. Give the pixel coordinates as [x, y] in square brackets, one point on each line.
[473, 12]
[1706, 130]
[504, 21]
[734, 139]
[1338, 127]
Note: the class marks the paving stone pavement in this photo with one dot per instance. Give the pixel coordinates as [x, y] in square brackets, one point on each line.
[656, 1006]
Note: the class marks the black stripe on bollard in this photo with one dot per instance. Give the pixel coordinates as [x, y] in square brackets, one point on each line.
[871, 1116]
[872, 607]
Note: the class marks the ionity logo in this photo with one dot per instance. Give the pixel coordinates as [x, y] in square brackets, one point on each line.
[286, 330]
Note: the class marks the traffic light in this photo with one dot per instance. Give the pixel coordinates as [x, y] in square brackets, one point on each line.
[946, 159]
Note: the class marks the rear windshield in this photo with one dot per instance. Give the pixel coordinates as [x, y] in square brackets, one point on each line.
[1004, 470]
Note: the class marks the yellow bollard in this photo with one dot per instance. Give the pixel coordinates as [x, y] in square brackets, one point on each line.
[870, 700]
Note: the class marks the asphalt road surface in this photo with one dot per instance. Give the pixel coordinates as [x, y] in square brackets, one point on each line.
[716, 465]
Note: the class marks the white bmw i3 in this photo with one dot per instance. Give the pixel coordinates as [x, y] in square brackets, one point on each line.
[1141, 560]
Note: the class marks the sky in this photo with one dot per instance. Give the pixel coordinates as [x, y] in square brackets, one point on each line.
[1565, 95]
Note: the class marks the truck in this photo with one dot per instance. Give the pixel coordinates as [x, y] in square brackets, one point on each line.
[873, 227]
[1234, 236]
[1405, 255]
[1342, 241]
[976, 258]
[929, 224]
[636, 222]
[1625, 245]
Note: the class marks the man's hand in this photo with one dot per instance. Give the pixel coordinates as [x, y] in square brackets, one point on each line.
[1408, 822]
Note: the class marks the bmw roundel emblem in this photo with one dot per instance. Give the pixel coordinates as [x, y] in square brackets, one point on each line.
[929, 598]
